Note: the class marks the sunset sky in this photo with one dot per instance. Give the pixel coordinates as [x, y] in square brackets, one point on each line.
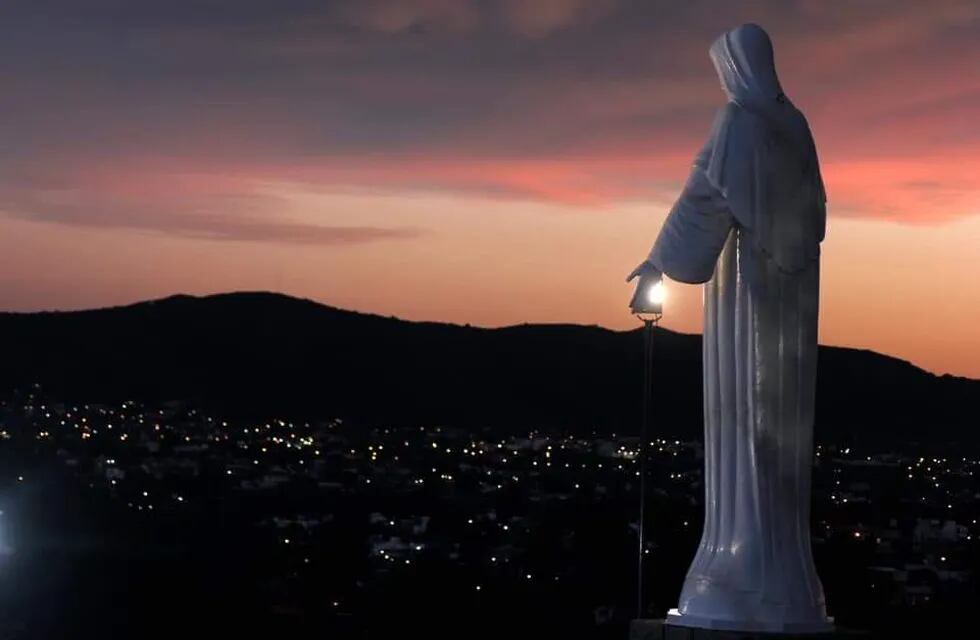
[481, 161]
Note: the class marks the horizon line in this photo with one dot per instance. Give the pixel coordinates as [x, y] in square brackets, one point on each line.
[320, 303]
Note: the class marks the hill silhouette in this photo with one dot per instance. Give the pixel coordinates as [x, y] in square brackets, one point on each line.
[264, 354]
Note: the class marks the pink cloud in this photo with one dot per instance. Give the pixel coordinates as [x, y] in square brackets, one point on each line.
[206, 203]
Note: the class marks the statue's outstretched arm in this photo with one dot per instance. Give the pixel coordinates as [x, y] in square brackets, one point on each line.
[694, 233]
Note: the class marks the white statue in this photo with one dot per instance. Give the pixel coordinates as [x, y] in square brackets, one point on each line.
[749, 224]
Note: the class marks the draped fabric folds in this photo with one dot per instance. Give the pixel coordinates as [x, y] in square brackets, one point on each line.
[761, 175]
[749, 223]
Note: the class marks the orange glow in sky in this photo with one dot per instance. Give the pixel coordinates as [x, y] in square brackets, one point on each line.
[476, 162]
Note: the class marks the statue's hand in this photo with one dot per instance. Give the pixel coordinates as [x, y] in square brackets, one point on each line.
[645, 269]
[648, 275]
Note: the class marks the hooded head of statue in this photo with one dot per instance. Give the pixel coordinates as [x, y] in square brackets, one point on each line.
[744, 61]
[743, 58]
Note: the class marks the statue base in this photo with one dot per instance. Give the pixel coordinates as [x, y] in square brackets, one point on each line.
[663, 630]
[676, 619]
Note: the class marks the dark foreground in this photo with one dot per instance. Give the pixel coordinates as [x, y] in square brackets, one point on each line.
[135, 521]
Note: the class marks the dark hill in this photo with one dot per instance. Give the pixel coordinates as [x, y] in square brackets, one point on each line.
[253, 354]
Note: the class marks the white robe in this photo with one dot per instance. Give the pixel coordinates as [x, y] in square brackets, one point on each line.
[749, 223]
[760, 352]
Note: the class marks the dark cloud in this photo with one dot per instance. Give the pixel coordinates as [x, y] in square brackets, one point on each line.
[191, 213]
[320, 89]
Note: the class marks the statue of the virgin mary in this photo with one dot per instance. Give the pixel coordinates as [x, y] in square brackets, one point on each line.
[749, 225]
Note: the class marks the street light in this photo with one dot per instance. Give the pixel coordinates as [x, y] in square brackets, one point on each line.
[655, 296]
[648, 299]
[647, 305]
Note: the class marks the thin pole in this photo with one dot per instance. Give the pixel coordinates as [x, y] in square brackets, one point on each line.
[648, 324]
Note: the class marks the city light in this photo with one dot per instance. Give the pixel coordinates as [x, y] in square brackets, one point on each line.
[142, 464]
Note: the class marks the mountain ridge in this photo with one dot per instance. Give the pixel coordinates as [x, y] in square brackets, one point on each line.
[257, 353]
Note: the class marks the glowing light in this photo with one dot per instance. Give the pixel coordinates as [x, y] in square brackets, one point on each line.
[656, 294]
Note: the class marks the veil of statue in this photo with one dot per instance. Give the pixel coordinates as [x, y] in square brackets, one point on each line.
[749, 225]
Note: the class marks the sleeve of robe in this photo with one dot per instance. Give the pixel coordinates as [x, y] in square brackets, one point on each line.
[694, 233]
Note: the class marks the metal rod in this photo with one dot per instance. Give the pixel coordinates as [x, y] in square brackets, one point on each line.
[648, 324]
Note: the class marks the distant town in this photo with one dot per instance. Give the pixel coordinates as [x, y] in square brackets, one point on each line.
[324, 524]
